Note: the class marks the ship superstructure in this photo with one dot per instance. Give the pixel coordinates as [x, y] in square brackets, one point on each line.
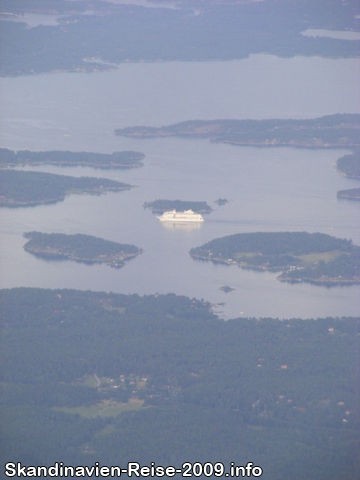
[188, 216]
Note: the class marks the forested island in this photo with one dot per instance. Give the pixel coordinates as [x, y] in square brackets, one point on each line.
[23, 189]
[98, 377]
[314, 258]
[221, 201]
[79, 248]
[226, 289]
[331, 131]
[161, 206]
[350, 194]
[116, 160]
[194, 31]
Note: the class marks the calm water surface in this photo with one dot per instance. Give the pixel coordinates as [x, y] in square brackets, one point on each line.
[276, 189]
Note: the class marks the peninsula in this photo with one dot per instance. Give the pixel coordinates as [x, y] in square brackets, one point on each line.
[332, 131]
[116, 160]
[349, 165]
[314, 258]
[161, 206]
[24, 189]
[79, 248]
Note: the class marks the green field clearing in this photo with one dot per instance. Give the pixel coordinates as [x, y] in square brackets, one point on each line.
[240, 255]
[326, 257]
[306, 259]
[102, 410]
[90, 381]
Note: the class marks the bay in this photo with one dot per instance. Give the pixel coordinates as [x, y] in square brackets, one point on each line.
[277, 189]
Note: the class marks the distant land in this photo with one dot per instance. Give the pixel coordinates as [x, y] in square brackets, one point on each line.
[118, 160]
[161, 206]
[79, 248]
[23, 189]
[195, 31]
[314, 258]
[331, 131]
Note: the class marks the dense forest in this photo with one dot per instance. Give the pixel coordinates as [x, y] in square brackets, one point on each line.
[79, 248]
[9, 158]
[161, 206]
[198, 31]
[115, 378]
[349, 165]
[301, 256]
[22, 189]
[274, 243]
[331, 131]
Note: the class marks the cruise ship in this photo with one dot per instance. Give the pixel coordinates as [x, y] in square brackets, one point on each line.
[188, 216]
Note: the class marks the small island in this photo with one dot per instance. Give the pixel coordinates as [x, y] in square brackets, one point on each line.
[226, 289]
[331, 131]
[161, 206]
[24, 189]
[79, 248]
[350, 194]
[221, 201]
[314, 258]
[116, 160]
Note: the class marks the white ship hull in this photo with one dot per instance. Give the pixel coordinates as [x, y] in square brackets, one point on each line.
[181, 217]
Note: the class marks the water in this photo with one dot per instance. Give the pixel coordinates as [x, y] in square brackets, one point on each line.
[275, 189]
[38, 111]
